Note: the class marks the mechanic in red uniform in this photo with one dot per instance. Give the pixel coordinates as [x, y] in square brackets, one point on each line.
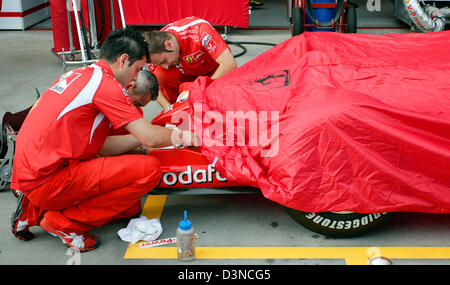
[141, 92]
[66, 187]
[184, 50]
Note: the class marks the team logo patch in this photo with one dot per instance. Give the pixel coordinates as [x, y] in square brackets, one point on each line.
[208, 42]
[180, 68]
[206, 38]
[64, 81]
[129, 101]
[193, 57]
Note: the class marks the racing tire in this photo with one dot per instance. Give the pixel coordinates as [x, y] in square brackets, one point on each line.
[350, 16]
[339, 225]
[297, 21]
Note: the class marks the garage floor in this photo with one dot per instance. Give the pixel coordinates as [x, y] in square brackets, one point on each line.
[233, 229]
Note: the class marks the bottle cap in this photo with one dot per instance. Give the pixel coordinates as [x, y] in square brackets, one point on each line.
[185, 224]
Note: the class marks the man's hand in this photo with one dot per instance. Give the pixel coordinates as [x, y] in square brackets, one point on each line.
[184, 138]
[156, 136]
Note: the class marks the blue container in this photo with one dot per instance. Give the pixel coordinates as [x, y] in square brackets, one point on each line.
[321, 14]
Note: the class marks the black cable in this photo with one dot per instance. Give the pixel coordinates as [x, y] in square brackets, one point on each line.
[86, 42]
[244, 49]
[102, 27]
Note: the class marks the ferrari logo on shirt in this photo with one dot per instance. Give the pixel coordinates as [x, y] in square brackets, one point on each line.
[193, 57]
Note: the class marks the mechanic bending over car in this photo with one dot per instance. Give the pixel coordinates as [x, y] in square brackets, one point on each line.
[184, 50]
[141, 92]
[66, 187]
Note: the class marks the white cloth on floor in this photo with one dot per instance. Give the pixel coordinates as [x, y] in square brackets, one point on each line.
[141, 229]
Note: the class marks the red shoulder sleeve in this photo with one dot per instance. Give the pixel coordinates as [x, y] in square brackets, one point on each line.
[211, 40]
[112, 100]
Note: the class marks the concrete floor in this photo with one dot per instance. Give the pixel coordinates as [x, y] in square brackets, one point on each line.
[240, 220]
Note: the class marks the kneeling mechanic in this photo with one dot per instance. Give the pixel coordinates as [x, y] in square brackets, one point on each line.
[73, 175]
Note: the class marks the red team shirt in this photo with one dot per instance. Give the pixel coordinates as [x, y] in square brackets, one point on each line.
[200, 46]
[70, 121]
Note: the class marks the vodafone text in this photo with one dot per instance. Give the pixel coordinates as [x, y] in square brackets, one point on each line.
[189, 176]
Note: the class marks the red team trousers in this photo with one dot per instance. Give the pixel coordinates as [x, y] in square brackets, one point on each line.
[92, 193]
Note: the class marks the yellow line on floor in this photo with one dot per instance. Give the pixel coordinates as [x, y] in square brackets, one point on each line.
[353, 255]
[154, 206]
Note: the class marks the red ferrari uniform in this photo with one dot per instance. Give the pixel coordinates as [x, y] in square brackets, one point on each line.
[56, 165]
[200, 46]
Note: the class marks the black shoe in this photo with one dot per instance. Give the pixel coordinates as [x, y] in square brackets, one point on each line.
[19, 223]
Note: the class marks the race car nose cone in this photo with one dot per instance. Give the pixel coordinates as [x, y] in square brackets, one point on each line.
[380, 260]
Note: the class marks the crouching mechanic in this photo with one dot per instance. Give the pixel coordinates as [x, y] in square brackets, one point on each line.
[66, 187]
[185, 50]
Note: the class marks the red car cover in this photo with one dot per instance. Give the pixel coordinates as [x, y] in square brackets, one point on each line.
[335, 122]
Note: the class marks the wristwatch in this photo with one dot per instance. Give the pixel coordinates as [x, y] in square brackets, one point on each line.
[143, 149]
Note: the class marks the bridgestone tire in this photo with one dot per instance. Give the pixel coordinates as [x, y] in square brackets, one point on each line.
[339, 225]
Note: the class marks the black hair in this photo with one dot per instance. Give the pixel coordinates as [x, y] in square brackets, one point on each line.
[124, 41]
